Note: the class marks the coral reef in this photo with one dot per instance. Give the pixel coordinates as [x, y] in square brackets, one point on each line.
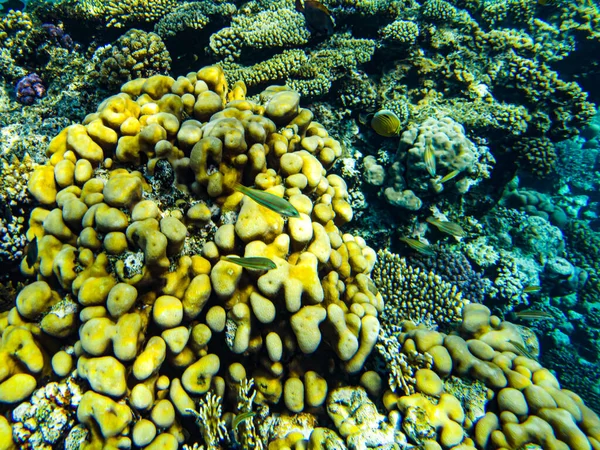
[421, 295]
[125, 226]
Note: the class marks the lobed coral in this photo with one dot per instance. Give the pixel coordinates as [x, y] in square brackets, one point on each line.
[414, 176]
[209, 315]
[522, 403]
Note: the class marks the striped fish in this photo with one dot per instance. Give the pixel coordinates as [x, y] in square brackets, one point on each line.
[521, 350]
[270, 201]
[252, 262]
[450, 176]
[533, 315]
[241, 418]
[451, 228]
[430, 160]
[418, 246]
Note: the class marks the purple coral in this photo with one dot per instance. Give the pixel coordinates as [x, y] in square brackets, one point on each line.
[29, 88]
[59, 35]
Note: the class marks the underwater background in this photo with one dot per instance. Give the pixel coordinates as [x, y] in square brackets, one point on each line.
[415, 264]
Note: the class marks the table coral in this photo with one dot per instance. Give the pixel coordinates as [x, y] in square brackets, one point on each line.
[120, 14]
[280, 28]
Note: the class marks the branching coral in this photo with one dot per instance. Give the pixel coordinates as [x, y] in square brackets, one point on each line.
[120, 14]
[535, 155]
[416, 294]
[280, 29]
[193, 17]
[135, 54]
[453, 267]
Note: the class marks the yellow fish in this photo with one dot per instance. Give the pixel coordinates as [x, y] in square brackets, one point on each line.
[418, 246]
[451, 228]
[429, 158]
[252, 262]
[531, 289]
[386, 123]
[450, 176]
[241, 418]
[521, 350]
[271, 201]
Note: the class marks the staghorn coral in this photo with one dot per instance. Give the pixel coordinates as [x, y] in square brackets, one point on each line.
[135, 54]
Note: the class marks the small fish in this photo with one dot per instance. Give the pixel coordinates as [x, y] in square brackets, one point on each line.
[450, 176]
[372, 287]
[429, 158]
[531, 289]
[521, 350]
[317, 17]
[252, 262]
[451, 228]
[533, 315]
[386, 123]
[32, 253]
[418, 246]
[241, 418]
[270, 201]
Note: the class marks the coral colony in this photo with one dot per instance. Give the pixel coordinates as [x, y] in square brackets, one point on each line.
[299, 225]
